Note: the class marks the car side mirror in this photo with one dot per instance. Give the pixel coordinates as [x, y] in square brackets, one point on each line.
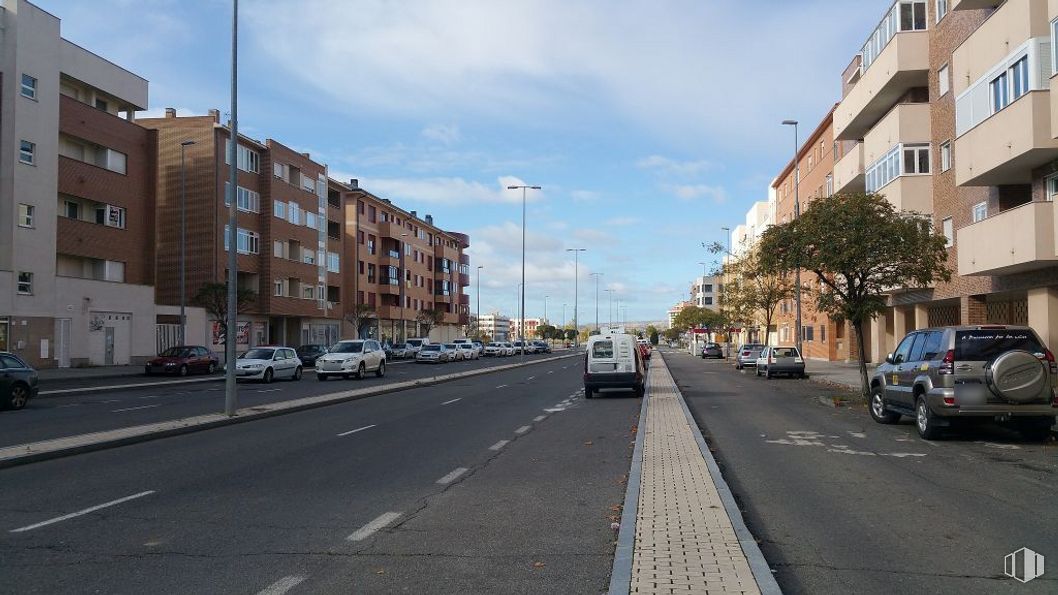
[889, 359]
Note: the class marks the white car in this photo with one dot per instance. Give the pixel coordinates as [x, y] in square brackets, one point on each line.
[479, 348]
[455, 354]
[434, 353]
[268, 363]
[493, 349]
[352, 358]
[509, 349]
[468, 350]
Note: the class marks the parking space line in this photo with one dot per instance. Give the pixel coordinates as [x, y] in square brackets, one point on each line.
[270, 390]
[452, 401]
[282, 585]
[447, 479]
[530, 378]
[136, 408]
[523, 429]
[371, 528]
[501, 386]
[499, 444]
[539, 418]
[357, 430]
[72, 515]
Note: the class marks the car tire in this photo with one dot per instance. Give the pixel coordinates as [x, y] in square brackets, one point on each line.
[756, 372]
[19, 396]
[767, 374]
[381, 371]
[297, 373]
[361, 371]
[640, 391]
[925, 421]
[147, 372]
[877, 408]
[212, 369]
[268, 375]
[588, 392]
[321, 377]
[183, 370]
[738, 366]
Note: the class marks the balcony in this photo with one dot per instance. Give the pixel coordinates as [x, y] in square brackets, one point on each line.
[1015, 240]
[901, 66]
[848, 171]
[972, 4]
[464, 299]
[389, 229]
[442, 299]
[906, 123]
[389, 287]
[910, 193]
[464, 280]
[990, 45]
[1006, 147]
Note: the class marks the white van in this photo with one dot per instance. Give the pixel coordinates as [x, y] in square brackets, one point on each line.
[613, 361]
[414, 345]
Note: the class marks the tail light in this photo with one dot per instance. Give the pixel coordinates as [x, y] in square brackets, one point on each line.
[947, 365]
[745, 353]
[1049, 356]
[949, 401]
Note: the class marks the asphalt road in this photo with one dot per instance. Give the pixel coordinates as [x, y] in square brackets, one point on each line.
[58, 416]
[506, 482]
[841, 504]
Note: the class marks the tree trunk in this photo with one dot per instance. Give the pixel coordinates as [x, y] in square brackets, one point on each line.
[865, 388]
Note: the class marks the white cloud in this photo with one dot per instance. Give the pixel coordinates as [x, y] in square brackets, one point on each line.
[674, 167]
[447, 191]
[694, 191]
[446, 134]
[584, 196]
[623, 221]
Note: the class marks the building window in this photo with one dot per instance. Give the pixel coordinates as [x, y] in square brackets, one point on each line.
[308, 257]
[295, 214]
[980, 211]
[248, 160]
[310, 220]
[25, 283]
[1051, 186]
[1019, 78]
[278, 247]
[307, 183]
[29, 86]
[308, 292]
[277, 288]
[948, 229]
[943, 80]
[1054, 48]
[916, 159]
[822, 333]
[333, 262]
[945, 156]
[829, 186]
[72, 209]
[25, 215]
[110, 216]
[1000, 94]
[248, 241]
[279, 209]
[707, 301]
[942, 9]
[27, 152]
[248, 201]
[808, 333]
[279, 170]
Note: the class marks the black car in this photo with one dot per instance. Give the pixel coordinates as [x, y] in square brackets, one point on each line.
[309, 353]
[18, 382]
[712, 350]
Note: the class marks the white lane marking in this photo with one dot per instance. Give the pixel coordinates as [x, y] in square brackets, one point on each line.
[555, 409]
[901, 455]
[371, 528]
[270, 390]
[499, 444]
[282, 585]
[357, 430]
[151, 397]
[111, 401]
[857, 434]
[502, 386]
[550, 371]
[452, 401]
[136, 408]
[530, 378]
[447, 479]
[67, 517]
[523, 429]
[539, 418]
[70, 405]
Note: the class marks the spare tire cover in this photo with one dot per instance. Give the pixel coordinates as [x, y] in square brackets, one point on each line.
[1018, 377]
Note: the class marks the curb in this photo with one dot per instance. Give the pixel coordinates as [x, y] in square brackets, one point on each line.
[621, 575]
[21, 454]
[762, 573]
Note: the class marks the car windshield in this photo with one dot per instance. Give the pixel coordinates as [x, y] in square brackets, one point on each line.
[348, 347]
[431, 348]
[465, 346]
[258, 354]
[308, 349]
[987, 344]
[752, 347]
[176, 352]
[451, 345]
[784, 352]
[414, 342]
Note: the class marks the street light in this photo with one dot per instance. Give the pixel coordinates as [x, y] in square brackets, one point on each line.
[611, 292]
[480, 266]
[183, 242]
[597, 275]
[576, 279]
[403, 298]
[523, 189]
[797, 215]
[231, 404]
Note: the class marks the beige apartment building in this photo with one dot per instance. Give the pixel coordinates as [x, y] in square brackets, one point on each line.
[948, 111]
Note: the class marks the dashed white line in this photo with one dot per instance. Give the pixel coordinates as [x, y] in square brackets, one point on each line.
[270, 390]
[67, 517]
[502, 386]
[452, 401]
[70, 405]
[357, 430]
[136, 408]
[499, 444]
[151, 397]
[371, 528]
[530, 378]
[447, 479]
[539, 418]
[550, 371]
[111, 401]
[523, 429]
[282, 585]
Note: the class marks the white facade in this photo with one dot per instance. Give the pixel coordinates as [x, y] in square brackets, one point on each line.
[495, 325]
[705, 292]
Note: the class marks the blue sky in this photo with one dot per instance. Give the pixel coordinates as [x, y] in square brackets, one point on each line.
[649, 124]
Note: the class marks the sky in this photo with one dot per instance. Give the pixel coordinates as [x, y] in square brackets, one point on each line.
[649, 125]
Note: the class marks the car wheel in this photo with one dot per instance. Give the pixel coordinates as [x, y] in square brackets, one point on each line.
[640, 390]
[757, 372]
[183, 370]
[212, 368]
[361, 371]
[767, 373]
[588, 393]
[19, 396]
[297, 373]
[321, 377]
[878, 411]
[381, 371]
[147, 371]
[738, 366]
[925, 421]
[268, 374]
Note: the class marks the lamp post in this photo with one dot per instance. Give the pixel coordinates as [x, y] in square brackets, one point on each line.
[403, 297]
[597, 275]
[478, 320]
[797, 215]
[231, 404]
[610, 308]
[576, 288]
[523, 189]
[183, 242]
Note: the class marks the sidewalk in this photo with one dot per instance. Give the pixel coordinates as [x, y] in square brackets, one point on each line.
[96, 372]
[689, 536]
[844, 374]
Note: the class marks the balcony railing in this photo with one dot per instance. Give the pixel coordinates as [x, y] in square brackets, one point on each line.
[1015, 240]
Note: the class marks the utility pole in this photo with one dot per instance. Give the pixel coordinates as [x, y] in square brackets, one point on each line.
[797, 215]
[183, 242]
[597, 275]
[522, 327]
[478, 321]
[576, 297]
[231, 399]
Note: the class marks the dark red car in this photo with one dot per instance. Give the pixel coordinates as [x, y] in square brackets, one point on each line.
[184, 360]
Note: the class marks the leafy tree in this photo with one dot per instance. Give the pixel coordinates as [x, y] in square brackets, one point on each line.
[213, 297]
[753, 291]
[571, 334]
[695, 317]
[545, 331]
[428, 319]
[671, 334]
[361, 318]
[859, 247]
[654, 337]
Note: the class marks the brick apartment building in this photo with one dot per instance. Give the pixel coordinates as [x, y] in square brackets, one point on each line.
[404, 265]
[76, 200]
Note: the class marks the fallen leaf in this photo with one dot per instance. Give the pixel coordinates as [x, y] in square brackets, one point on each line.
[538, 564]
[380, 571]
[588, 443]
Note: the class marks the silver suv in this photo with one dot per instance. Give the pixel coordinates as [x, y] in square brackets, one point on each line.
[987, 371]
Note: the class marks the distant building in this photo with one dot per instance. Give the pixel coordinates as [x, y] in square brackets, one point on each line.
[496, 326]
[531, 325]
[705, 292]
[673, 311]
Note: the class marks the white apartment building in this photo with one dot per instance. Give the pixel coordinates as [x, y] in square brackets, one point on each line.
[496, 326]
[705, 292]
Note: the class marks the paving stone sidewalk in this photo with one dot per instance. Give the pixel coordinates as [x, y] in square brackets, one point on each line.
[685, 542]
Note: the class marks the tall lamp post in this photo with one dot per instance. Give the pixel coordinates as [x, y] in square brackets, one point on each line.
[523, 189]
[597, 275]
[183, 242]
[403, 296]
[727, 255]
[231, 404]
[797, 215]
[478, 320]
[576, 288]
[610, 308]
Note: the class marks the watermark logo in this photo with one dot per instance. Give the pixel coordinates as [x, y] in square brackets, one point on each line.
[1023, 565]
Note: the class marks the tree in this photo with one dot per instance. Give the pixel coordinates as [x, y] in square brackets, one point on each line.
[545, 331]
[671, 334]
[694, 317]
[571, 334]
[754, 290]
[213, 297]
[428, 319]
[361, 318]
[860, 248]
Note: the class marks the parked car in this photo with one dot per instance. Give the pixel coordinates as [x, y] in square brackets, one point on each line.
[455, 354]
[495, 349]
[308, 354]
[644, 348]
[396, 351]
[509, 349]
[613, 360]
[747, 355]
[468, 350]
[940, 375]
[518, 346]
[434, 353]
[18, 382]
[412, 346]
[712, 350]
[542, 346]
[774, 361]
[183, 360]
[480, 348]
[267, 363]
[352, 358]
